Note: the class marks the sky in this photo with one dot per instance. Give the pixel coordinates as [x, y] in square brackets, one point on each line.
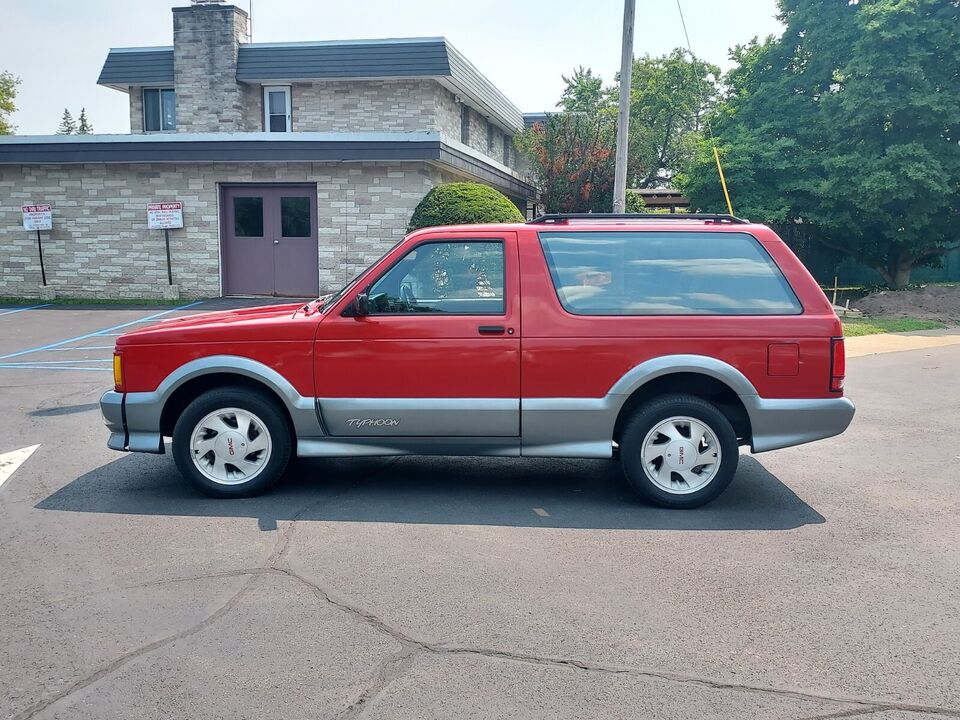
[57, 47]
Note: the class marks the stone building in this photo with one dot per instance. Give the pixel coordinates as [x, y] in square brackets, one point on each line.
[297, 163]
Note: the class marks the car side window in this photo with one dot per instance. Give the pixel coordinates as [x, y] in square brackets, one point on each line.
[456, 278]
[666, 273]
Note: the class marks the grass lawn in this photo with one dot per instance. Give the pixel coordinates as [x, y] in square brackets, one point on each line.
[854, 327]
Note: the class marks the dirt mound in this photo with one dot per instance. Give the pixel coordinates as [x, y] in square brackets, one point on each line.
[933, 302]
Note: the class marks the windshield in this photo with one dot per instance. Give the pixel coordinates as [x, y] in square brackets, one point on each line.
[331, 300]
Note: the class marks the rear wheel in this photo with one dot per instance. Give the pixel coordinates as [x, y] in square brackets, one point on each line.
[232, 442]
[679, 451]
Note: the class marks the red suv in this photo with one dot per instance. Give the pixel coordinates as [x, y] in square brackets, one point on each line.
[666, 340]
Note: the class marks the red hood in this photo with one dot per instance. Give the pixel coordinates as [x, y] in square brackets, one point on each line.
[271, 322]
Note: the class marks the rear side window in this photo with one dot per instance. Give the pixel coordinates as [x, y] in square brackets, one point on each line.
[666, 273]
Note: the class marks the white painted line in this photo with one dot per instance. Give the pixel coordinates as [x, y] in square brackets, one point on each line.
[541, 512]
[9, 462]
[32, 307]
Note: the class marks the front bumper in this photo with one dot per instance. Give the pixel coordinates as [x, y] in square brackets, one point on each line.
[133, 426]
[783, 423]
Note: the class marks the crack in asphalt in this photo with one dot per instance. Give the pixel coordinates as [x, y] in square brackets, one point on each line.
[856, 712]
[134, 654]
[394, 665]
[279, 550]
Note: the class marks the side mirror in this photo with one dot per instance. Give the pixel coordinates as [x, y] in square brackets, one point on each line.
[361, 304]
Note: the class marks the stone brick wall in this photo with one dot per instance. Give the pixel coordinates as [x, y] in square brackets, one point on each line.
[448, 123]
[100, 245]
[206, 41]
[363, 106]
[448, 112]
[136, 110]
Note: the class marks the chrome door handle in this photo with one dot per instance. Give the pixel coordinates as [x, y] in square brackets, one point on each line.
[276, 242]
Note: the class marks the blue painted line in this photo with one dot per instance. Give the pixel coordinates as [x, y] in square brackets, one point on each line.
[32, 307]
[5, 366]
[88, 347]
[98, 333]
[57, 362]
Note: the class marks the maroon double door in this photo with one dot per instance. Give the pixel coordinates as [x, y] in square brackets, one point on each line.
[269, 240]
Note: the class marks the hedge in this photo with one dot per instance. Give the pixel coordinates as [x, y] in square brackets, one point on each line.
[463, 204]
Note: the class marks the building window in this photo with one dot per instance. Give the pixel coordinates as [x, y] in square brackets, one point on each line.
[276, 109]
[507, 141]
[159, 110]
[465, 124]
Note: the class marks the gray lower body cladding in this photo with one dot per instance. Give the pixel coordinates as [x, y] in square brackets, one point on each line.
[551, 427]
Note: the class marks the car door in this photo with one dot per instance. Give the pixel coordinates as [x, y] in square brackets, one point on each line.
[438, 353]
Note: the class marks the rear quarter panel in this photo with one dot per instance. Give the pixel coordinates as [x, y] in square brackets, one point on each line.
[566, 355]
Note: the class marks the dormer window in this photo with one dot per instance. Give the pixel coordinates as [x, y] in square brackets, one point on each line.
[276, 109]
[159, 110]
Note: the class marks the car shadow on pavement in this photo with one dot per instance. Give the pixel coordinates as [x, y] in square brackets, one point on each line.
[553, 493]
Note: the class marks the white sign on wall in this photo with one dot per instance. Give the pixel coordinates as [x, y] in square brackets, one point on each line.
[37, 217]
[164, 216]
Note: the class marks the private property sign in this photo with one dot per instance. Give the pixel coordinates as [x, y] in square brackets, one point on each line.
[37, 217]
[164, 216]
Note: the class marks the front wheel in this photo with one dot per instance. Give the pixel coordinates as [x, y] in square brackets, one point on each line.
[679, 451]
[232, 442]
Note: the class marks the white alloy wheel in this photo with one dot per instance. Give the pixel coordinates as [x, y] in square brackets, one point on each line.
[681, 455]
[230, 446]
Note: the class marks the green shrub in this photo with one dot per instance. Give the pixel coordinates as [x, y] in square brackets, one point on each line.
[463, 204]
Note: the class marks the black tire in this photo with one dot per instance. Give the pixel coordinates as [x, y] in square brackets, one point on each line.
[263, 407]
[649, 416]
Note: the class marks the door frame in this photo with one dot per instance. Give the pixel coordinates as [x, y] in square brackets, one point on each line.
[222, 233]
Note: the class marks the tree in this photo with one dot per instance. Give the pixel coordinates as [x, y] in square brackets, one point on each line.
[463, 204]
[67, 124]
[669, 97]
[8, 94]
[848, 123]
[585, 93]
[84, 127]
[571, 157]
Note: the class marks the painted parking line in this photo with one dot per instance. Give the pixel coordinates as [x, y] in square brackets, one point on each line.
[23, 309]
[57, 362]
[34, 366]
[86, 347]
[99, 333]
[11, 461]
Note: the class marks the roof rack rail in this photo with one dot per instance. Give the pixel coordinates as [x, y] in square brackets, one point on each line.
[556, 218]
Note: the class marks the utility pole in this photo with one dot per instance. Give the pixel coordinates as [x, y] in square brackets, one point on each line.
[623, 119]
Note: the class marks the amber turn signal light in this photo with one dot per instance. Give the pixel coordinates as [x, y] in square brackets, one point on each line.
[117, 372]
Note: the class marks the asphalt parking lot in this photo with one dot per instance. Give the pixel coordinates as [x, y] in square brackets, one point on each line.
[824, 583]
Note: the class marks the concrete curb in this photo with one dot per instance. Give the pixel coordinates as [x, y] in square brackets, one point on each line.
[901, 342]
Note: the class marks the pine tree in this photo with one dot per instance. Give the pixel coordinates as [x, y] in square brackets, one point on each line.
[85, 127]
[67, 124]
